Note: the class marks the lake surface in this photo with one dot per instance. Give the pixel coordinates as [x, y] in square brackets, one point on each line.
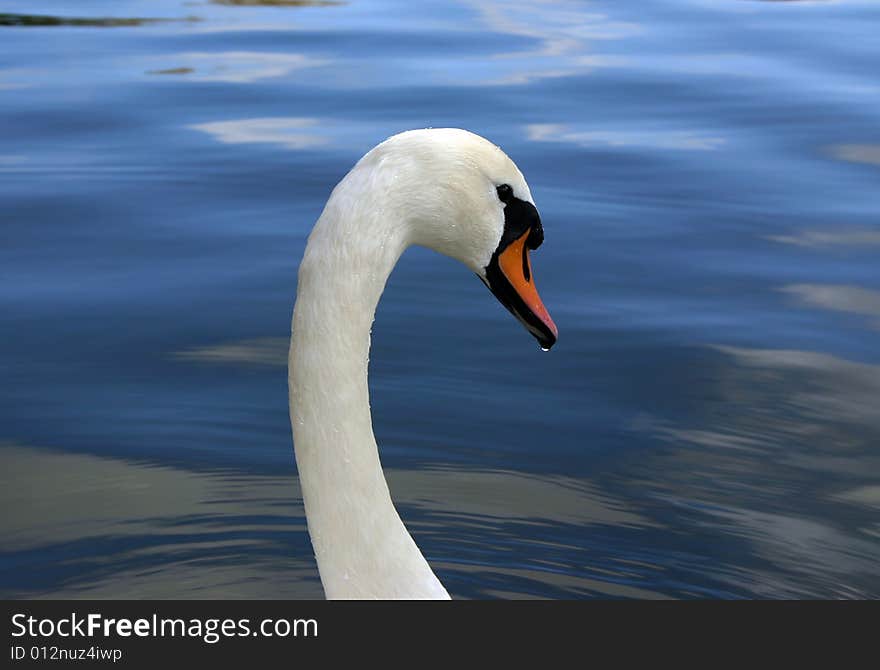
[707, 172]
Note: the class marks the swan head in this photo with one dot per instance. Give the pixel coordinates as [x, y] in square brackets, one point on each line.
[464, 197]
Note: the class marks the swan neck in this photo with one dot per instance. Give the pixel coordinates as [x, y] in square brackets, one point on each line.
[362, 548]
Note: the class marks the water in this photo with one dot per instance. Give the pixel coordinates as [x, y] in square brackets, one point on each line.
[707, 174]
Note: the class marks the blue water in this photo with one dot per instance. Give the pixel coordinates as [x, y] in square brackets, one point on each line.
[707, 173]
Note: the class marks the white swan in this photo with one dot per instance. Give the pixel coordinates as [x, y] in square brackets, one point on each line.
[446, 189]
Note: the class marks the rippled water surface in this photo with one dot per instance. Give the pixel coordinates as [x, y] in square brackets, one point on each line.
[707, 173]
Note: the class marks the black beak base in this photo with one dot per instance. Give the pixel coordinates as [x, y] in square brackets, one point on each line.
[507, 296]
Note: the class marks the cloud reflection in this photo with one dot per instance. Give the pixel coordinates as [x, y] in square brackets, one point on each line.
[838, 298]
[237, 67]
[779, 440]
[830, 238]
[278, 3]
[20, 77]
[139, 530]
[832, 388]
[290, 132]
[867, 496]
[655, 139]
[257, 351]
[868, 154]
[557, 36]
[548, 39]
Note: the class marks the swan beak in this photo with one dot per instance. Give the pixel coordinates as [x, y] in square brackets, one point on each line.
[509, 277]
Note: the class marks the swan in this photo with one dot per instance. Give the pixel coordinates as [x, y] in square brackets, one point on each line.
[446, 189]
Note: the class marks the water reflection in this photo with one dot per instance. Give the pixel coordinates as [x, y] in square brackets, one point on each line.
[557, 40]
[173, 70]
[287, 132]
[238, 67]
[825, 392]
[41, 21]
[784, 458]
[553, 40]
[846, 237]
[256, 351]
[94, 527]
[868, 154]
[278, 3]
[639, 137]
[867, 496]
[839, 298]
[719, 188]
[135, 529]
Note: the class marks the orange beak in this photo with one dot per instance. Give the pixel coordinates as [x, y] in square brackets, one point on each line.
[509, 276]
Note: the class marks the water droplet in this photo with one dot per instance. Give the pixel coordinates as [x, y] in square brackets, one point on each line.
[545, 348]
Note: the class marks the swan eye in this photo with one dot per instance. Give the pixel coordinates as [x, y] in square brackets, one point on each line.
[505, 193]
